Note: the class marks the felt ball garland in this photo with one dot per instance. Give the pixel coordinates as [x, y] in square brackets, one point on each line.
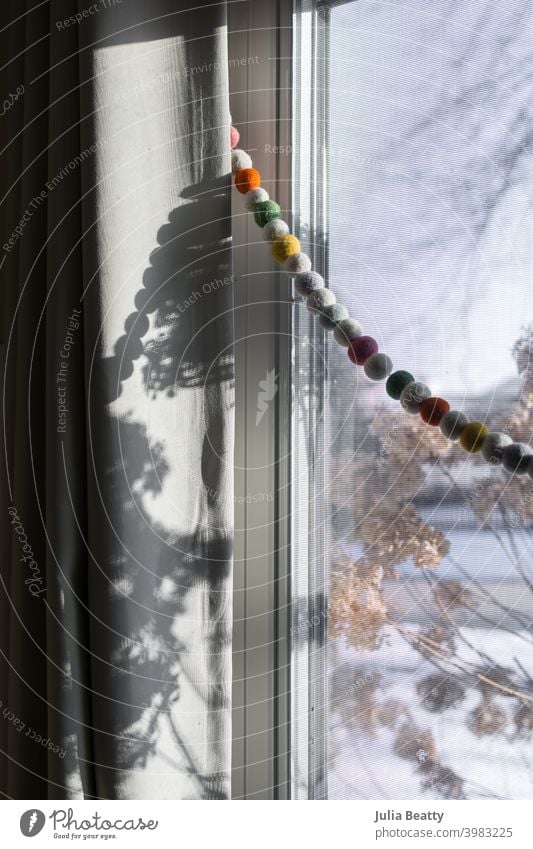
[432, 410]
[320, 299]
[255, 197]
[247, 179]
[265, 211]
[283, 247]
[363, 350]
[298, 263]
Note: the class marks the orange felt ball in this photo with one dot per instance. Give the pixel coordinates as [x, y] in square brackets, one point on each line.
[247, 179]
[432, 410]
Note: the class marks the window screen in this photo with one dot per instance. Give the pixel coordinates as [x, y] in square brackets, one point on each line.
[422, 114]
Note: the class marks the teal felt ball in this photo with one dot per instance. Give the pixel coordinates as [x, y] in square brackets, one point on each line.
[331, 314]
[516, 458]
[266, 211]
[397, 382]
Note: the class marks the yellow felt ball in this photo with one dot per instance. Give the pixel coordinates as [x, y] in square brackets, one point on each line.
[284, 247]
[472, 436]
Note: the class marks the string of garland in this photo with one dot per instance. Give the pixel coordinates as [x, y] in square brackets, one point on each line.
[415, 397]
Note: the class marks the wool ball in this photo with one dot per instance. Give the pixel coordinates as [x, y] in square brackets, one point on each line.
[240, 159]
[234, 136]
[284, 247]
[319, 299]
[247, 179]
[516, 458]
[274, 229]
[361, 348]
[298, 263]
[530, 468]
[266, 211]
[433, 409]
[255, 196]
[412, 396]
[308, 282]
[397, 383]
[346, 330]
[378, 366]
[472, 436]
[493, 445]
[452, 424]
[331, 315]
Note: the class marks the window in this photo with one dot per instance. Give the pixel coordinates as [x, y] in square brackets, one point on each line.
[412, 188]
[383, 598]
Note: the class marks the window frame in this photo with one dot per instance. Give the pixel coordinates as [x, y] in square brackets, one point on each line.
[280, 579]
[263, 334]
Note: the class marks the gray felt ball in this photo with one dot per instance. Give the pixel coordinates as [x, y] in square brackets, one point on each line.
[298, 263]
[412, 396]
[516, 458]
[320, 299]
[346, 330]
[493, 445]
[378, 366]
[331, 315]
[530, 468]
[308, 282]
[452, 423]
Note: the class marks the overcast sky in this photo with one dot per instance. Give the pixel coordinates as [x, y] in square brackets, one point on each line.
[431, 182]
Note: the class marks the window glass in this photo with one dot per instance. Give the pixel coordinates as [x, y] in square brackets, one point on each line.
[428, 232]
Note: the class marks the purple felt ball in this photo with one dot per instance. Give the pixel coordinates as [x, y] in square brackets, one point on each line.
[361, 348]
[308, 282]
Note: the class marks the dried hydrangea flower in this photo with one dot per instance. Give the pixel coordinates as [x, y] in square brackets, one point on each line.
[487, 719]
[440, 692]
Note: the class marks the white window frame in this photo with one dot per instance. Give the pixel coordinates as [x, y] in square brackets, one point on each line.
[279, 635]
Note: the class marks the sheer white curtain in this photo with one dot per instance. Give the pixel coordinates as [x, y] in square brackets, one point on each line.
[117, 380]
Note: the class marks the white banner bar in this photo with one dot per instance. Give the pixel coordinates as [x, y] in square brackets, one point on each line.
[324, 825]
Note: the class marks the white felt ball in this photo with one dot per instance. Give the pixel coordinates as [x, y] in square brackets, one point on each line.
[297, 264]
[347, 329]
[412, 396]
[320, 298]
[492, 447]
[240, 159]
[378, 366]
[255, 196]
[274, 229]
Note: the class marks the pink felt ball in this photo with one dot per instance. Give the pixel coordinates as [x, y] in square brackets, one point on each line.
[234, 136]
[361, 348]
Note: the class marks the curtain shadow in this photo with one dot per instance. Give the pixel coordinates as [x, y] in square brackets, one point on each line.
[149, 582]
[139, 595]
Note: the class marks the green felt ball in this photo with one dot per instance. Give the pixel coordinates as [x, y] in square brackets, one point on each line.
[265, 211]
[397, 382]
